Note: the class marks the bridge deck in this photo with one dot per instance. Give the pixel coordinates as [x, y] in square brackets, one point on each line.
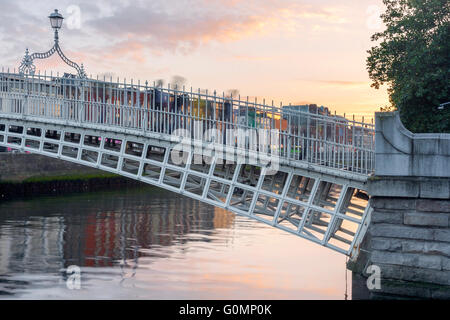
[303, 173]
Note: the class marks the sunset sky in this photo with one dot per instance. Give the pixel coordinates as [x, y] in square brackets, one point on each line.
[294, 51]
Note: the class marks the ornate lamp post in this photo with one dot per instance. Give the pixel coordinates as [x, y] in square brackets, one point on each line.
[27, 66]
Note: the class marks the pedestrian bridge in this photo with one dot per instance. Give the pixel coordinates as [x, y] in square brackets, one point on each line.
[302, 172]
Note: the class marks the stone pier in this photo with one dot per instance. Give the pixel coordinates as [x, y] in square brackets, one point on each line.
[409, 232]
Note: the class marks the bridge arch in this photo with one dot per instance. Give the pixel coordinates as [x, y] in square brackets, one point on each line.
[309, 196]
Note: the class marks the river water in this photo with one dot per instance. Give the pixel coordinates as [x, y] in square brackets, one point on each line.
[151, 244]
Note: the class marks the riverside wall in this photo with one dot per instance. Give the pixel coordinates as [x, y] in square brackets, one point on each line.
[408, 238]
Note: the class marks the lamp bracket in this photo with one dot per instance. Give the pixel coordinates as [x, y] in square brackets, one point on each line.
[27, 66]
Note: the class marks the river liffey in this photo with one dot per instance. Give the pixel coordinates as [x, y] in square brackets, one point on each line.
[151, 244]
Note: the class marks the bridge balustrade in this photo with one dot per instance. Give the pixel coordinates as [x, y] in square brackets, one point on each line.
[319, 139]
[316, 192]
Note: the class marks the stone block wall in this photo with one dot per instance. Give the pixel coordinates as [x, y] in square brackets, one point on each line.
[409, 233]
[409, 239]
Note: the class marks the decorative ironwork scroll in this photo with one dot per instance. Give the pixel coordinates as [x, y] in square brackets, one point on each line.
[27, 66]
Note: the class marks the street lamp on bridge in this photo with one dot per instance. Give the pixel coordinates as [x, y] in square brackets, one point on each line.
[56, 20]
[27, 66]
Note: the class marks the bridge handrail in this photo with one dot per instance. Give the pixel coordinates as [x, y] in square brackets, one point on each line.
[142, 88]
[353, 146]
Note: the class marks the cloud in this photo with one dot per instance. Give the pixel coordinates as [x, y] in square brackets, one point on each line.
[185, 25]
[251, 58]
[341, 83]
[132, 31]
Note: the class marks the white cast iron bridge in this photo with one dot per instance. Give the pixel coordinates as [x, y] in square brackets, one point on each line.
[302, 172]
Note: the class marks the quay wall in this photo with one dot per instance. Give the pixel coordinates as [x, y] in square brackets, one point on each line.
[30, 175]
[409, 233]
[17, 167]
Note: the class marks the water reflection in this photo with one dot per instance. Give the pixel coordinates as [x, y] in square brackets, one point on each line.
[152, 244]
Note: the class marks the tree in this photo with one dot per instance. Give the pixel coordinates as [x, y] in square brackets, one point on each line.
[413, 59]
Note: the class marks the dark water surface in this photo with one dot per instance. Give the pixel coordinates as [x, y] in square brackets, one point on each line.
[151, 244]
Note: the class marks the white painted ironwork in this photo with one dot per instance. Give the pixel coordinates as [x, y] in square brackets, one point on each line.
[133, 130]
[317, 139]
[27, 66]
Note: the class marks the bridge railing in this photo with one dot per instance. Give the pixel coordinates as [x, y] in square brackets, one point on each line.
[321, 139]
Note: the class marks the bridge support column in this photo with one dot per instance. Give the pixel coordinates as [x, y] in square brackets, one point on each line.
[408, 239]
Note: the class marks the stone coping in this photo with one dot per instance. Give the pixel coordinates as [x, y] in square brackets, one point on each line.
[399, 152]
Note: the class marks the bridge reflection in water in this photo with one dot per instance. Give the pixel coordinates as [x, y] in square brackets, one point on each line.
[151, 244]
[124, 229]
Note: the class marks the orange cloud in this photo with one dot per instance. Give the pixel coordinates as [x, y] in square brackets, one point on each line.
[342, 83]
[157, 28]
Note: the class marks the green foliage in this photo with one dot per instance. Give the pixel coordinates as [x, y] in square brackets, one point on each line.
[413, 58]
[388, 109]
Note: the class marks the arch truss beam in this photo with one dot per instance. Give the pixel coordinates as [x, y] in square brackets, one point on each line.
[330, 211]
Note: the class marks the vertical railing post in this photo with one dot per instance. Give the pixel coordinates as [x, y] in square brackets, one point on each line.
[81, 110]
[145, 96]
[25, 89]
[308, 138]
[353, 151]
